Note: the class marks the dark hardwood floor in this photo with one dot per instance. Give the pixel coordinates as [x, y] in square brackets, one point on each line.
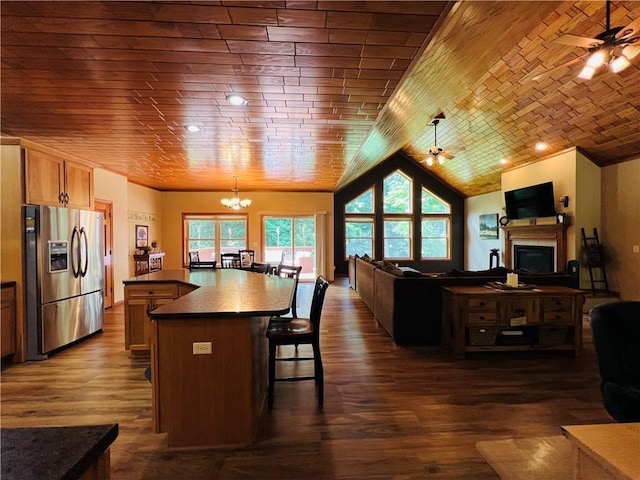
[390, 412]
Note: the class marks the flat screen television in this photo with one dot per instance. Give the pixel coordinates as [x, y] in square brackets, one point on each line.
[530, 202]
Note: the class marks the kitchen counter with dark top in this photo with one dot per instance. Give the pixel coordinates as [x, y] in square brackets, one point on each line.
[7, 284]
[54, 453]
[222, 292]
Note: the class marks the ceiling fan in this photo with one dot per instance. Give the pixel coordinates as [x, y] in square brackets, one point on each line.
[615, 47]
[436, 154]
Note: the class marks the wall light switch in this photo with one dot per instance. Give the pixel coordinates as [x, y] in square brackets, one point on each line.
[202, 348]
[636, 249]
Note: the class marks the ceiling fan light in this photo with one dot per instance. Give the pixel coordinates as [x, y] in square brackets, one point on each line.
[587, 73]
[430, 161]
[440, 159]
[596, 59]
[619, 63]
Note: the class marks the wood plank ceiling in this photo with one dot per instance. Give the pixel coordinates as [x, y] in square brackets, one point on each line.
[333, 88]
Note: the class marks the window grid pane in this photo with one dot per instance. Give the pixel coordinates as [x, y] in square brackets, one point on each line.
[431, 203]
[361, 204]
[396, 195]
[397, 239]
[435, 237]
[358, 236]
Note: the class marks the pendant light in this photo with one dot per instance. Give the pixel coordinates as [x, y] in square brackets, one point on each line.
[436, 154]
[234, 203]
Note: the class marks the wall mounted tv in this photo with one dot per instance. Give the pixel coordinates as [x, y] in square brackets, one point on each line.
[530, 202]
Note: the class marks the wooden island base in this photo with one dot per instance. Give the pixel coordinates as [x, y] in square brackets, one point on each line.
[209, 353]
[209, 399]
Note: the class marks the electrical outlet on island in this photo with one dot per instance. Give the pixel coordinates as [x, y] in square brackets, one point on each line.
[202, 348]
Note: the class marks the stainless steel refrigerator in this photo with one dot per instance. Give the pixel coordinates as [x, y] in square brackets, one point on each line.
[64, 254]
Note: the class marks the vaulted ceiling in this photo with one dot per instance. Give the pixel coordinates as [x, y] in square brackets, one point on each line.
[333, 88]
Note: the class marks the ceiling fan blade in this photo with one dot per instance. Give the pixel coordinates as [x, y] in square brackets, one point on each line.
[630, 30]
[630, 51]
[552, 70]
[577, 41]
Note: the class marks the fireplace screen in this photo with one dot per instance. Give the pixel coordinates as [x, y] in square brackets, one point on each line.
[533, 258]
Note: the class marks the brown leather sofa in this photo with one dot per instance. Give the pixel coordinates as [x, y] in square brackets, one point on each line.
[408, 303]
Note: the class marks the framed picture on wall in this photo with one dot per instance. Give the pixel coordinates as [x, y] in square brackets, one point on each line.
[142, 235]
[489, 226]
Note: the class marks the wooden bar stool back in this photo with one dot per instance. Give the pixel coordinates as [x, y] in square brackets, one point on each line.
[290, 271]
[299, 331]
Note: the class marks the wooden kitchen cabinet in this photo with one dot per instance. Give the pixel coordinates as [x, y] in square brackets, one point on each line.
[51, 180]
[140, 299]
[8, 319]
[477, 318]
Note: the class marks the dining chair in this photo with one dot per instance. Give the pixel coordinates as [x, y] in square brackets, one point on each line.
[260, 267]
[230, 260]
[195, 262]
[290, 271]
[246, 257]
[298, 331]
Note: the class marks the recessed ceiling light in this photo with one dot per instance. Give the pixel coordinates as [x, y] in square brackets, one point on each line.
[235, 99]
[503, 161]
[540, 146]
[192, 128]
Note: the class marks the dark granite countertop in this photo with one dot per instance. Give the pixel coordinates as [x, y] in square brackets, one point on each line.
[53, 453]
[222, 292]
[7, 284]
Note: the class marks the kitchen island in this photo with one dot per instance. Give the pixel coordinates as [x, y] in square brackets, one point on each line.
[209, 354]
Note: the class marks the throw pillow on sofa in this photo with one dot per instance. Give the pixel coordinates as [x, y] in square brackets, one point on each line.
[391, 268]
[492, 272]
[410, 272]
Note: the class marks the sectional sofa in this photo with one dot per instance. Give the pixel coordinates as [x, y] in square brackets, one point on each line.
[407, 303]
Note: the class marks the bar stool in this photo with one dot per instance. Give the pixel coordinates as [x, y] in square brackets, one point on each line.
[298, 331]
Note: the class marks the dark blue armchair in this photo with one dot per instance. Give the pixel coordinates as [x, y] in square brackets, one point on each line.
[616, 336]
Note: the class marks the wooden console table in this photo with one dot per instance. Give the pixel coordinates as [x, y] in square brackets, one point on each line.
[149, 263]
[478, 318]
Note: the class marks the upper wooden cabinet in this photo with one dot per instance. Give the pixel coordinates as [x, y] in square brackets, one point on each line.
[50, 180]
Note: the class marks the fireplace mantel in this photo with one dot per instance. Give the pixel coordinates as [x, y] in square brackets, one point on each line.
[556, 233]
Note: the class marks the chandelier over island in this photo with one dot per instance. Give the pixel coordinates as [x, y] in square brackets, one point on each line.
[234, 203]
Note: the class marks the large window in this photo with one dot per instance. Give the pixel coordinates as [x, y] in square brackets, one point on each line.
[359, 231]
[401, 231]
[211, 235]
[291, 240]
[435, 226]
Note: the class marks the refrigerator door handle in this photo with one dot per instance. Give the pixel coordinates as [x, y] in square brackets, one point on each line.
[84, 265]
[75, 252]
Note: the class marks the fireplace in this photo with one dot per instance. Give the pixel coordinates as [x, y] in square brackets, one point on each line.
[551, 237]
[535, 258]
